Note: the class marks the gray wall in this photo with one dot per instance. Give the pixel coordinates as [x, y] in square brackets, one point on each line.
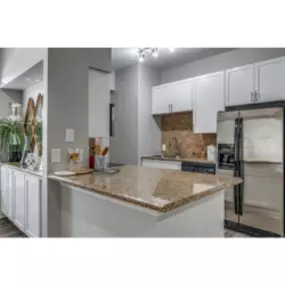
[68, 97]
[149, 134]
[219, 62]
[124, 144]
[7, 96]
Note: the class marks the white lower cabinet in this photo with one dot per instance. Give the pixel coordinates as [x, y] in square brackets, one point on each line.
[21, 200]
[10, 190]
[33, 206]
[171, 165]
[4, 191]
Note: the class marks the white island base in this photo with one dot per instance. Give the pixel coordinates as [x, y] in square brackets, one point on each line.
[87, 214]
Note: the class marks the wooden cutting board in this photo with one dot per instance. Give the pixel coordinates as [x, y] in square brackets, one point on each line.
[82, 171]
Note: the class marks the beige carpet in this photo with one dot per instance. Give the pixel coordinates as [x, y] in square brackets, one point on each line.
[7, 229]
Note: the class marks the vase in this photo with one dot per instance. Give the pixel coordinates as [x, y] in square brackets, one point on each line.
[26, 150]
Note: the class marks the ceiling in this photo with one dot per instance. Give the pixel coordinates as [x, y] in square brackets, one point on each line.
[122, 57]
[29, 78]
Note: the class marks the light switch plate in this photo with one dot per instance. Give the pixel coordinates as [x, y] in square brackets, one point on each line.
[69, 135]
[55, 155]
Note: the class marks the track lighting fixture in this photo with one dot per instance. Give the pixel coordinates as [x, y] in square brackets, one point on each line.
[154, 51]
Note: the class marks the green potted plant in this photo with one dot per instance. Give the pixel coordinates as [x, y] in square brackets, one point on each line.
[11, 138]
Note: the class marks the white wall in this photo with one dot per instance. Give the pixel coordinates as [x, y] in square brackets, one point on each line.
[237, 57]
[16, 61]
[149, 134]
[32, 92]
[7, 96]
[124, 144]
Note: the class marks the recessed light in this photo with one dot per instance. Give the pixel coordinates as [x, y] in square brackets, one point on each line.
[28, 79]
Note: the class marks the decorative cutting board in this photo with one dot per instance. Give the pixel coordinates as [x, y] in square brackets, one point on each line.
[80, 171]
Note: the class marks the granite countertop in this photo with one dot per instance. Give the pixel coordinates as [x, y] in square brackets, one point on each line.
[157, 189]
[185, 159]
[17, 166]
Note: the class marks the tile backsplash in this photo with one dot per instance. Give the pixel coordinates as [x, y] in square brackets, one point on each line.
[180, 126]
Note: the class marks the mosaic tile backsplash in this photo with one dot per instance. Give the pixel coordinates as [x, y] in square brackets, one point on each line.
[180, 125]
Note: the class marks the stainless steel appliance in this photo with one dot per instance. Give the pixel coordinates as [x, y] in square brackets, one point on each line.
[250, 145]
[198, 167]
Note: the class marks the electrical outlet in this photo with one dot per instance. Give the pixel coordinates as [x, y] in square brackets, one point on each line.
[55, 155]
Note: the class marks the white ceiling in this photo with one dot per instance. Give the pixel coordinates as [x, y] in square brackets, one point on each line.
[29, 78]
[122, 57]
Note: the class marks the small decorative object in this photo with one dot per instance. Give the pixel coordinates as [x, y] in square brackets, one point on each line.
[32, 161]
[75, 158]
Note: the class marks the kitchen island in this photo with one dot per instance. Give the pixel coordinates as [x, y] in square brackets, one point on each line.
[143, 202]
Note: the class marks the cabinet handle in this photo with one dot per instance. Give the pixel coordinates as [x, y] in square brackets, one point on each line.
[252, 96]
[257, 96]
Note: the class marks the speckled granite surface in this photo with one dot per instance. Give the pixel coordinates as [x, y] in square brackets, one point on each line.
[186, 159]
[17, 166]
[157, 189]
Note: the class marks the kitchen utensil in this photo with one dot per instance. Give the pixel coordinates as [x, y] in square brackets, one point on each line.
[100, 163]
[105, 151]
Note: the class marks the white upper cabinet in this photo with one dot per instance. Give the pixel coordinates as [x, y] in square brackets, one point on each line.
[270, 80]
[181, 95]
[161, 99]
[19, 190]
[172, 97]
[209, 93]
[240, 85]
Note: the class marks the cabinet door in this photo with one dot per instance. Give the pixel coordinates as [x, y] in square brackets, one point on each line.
[10, 188]
[32, 207]
[4, 191]
[181, 96]
[240, 85]
[270, 80]
[208, 100]
[19, 205]
[161, 99]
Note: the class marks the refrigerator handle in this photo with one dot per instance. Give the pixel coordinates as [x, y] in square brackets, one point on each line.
[236, 170]
[241, 166]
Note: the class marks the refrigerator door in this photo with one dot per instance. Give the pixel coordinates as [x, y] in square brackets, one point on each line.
[227, 151]
[261, 157]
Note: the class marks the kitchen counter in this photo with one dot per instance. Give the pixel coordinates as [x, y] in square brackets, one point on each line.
[17, 166]
[156, 189]
[186, 159]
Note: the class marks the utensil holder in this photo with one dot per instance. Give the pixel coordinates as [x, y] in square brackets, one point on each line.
[100, 163]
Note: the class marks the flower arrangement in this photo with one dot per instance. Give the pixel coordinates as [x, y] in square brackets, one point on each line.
[75, 158]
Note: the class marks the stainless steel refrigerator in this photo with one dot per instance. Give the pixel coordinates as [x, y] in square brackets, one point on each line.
[250, 145]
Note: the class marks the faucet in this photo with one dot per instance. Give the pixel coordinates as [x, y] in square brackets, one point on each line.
[178, 149]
